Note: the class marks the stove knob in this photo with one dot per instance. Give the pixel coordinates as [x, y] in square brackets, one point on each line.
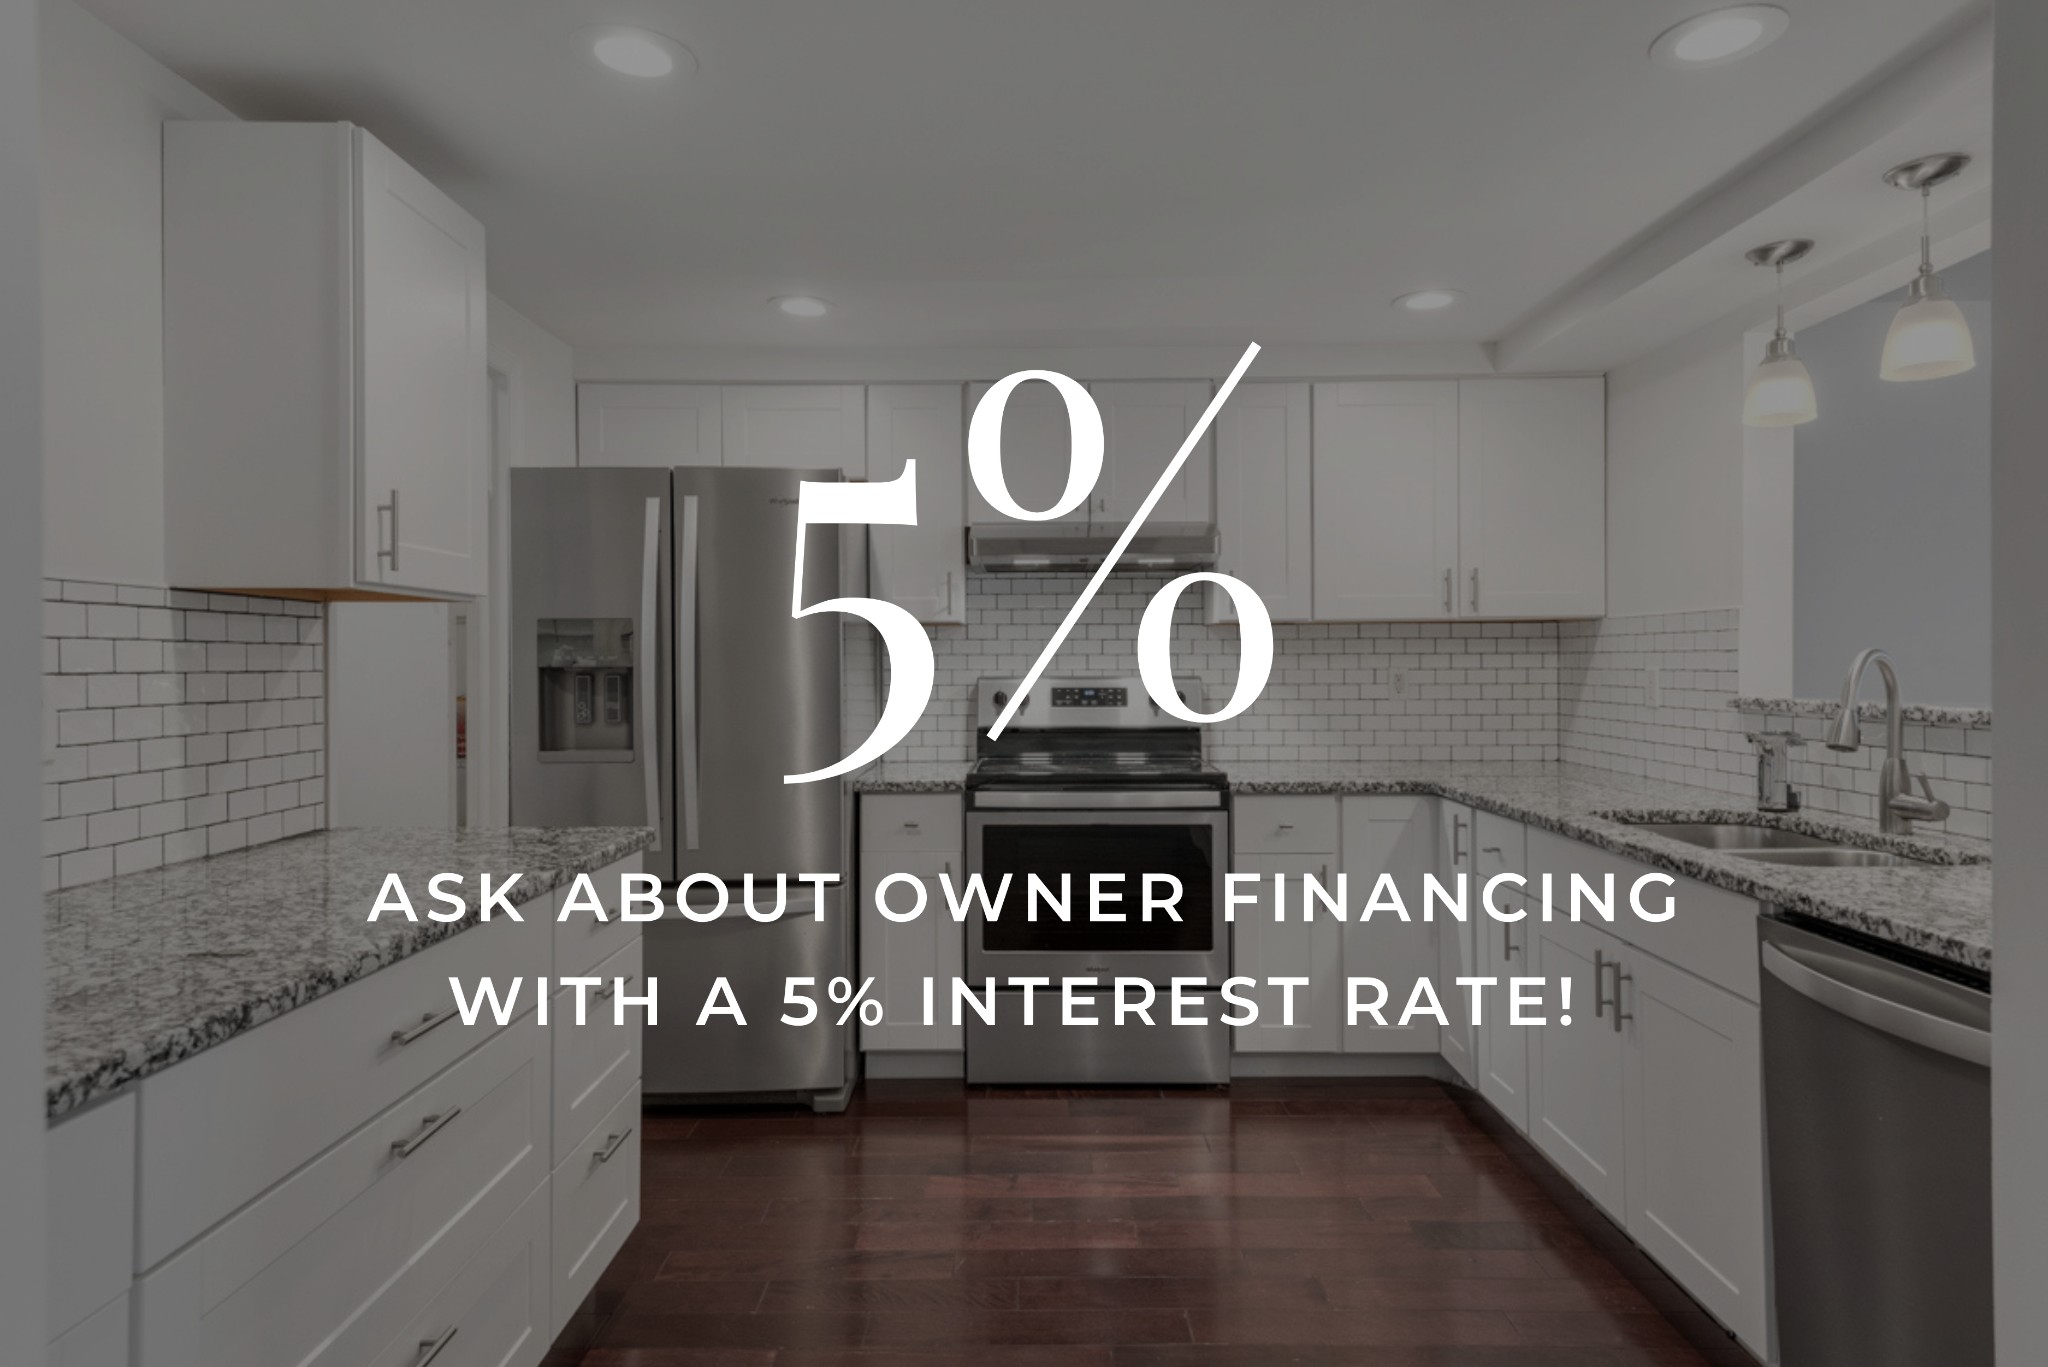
[1000, 697]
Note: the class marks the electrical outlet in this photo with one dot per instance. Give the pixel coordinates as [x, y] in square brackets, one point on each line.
[1653, 686]
[1400, 679]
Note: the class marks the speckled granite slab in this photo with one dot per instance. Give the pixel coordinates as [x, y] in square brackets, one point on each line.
[150, 968]
[912, 778]
[1942, 909]
[1913, 713]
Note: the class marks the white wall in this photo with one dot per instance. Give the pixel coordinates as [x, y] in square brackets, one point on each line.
[540, 369]
[2019, 663]
[21, 929]
[103, 104]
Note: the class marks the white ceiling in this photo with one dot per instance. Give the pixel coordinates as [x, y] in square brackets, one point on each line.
[1042, 172]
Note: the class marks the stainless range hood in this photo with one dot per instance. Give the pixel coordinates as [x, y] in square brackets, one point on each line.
[1041, 548]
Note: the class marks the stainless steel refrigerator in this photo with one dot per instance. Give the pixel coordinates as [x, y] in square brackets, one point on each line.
[658, 679]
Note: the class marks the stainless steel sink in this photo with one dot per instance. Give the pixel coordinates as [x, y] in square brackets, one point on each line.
[1833, 857]
[1770, 845]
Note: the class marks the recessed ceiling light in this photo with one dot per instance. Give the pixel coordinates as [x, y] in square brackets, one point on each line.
[1720, 35]
[635, 51]
[803, 306]
[1428, 301]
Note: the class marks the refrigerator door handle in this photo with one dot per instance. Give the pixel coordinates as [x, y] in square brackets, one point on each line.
[648, 689]
[686, 666]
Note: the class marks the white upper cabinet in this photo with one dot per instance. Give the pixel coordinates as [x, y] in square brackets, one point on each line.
[923, 568]
[324, 364]
[1386, 500]
[796, 426]
[656, 425]
[1036, 443]
[1263, 500]
[1144, 423]
[1532, 498]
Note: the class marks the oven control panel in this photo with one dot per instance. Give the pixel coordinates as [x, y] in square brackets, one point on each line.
[1090, 696]
[1073, 702]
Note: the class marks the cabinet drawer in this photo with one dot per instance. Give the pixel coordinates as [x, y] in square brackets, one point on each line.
[495, 1312]
[929, 822]
[100, 1341]
[598, 1061]
[1499, 845]
[596, 1195]
[233, 1121]
[1285, 825]
[90, 1172]
[582, 940]
[328, 1266]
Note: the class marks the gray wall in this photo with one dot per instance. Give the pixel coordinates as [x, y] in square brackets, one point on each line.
[1892, 509]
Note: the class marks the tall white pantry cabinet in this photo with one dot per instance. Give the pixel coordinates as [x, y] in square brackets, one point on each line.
[326, 393]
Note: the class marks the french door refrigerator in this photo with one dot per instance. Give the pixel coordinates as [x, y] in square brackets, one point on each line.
[658, 679]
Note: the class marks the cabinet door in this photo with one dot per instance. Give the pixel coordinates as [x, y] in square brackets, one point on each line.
[921, 568]
[1576, 1070]
[1695, 1139]
[1263, 504]
[796, 427]
[424, 453]
[655, 425]
[1394, 836]
[900, 955]
[1457, 950]
[1386, 500]
[1036, 443]
[1503, 949]
[1263, 948]
[1532, 498]
[1144, 423]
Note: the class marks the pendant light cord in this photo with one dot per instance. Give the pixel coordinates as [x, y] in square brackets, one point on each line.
[1926, 239]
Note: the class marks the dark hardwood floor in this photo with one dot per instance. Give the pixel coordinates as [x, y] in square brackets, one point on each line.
[1391, 1223]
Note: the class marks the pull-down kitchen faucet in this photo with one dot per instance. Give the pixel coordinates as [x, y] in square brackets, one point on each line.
[1897, 805]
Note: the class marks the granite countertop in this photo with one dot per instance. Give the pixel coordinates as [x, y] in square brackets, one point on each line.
[1942, 909]
[1912, 713]
[912, 777]
[150, 968]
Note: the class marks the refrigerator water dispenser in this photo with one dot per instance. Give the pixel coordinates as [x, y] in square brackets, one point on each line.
[586, 687]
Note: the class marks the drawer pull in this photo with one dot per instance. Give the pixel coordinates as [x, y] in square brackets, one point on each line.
[1489, 849]
[911, 825]
[431, 1348]
[605, 993]
[1284, 826]
[612, 1144]
[428, 1022]
[430, 1126]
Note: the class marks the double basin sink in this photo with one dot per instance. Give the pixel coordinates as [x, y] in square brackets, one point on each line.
[1771, 845]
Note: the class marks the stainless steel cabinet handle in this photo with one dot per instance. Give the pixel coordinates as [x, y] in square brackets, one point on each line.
[1507, 940]
[430, 1126]
[605, 992]
[1447, 591]
[1284, 826]
[612, 1144]
[949, 591]
[431, 1348]
[427, 1022]
[686, 666]
[1599, 991]
[1489, 849]
[910, 825]
[1457, 838]
[1799, 971]
[647, 688]
[1619, 1014]
[390, 554]
[1475, 588]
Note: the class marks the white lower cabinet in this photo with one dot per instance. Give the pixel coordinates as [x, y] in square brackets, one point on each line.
[921, 835]
[495, 1312]
[598, 1061]
[1575, 1111]
[100, 1340]
[1457, 944]
[596, 1197]
[1394, 836]
[1265, 948]
[1503, 1047]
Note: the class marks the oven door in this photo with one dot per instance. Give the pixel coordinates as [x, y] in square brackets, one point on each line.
[1079, 842]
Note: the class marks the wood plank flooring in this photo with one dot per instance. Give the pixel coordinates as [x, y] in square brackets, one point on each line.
[1306, 1223]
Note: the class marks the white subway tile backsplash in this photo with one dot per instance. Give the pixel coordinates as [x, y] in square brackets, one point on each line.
[149, 695]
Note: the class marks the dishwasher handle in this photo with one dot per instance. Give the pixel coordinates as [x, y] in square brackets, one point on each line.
[1798, 971]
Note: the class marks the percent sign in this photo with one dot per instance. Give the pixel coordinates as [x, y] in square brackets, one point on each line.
[909, 649]
[843, 993]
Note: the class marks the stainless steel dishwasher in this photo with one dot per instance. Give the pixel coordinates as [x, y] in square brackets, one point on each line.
[1877, 1121]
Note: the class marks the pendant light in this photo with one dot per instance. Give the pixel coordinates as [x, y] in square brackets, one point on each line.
[1780, 391]
[1929, 337]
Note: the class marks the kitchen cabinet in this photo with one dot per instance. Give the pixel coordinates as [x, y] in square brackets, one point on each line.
[1037, 442]
[1144, 423]
[1264, 503]
[656, 425]
[89, 1172]
[1532, 506]
[919, 834]
[1263, 948]
[1457, 944]
[796, 426]
[922, 569]
[1576, 1109]
[1503, 952]
[1386, 500]
[324, 363]
[1396, 836]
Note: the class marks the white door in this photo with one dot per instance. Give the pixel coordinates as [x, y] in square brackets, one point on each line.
[1395, 836]
[1457, 950]
[1532, 498]
[899, 956]
[1695, 1139]
[657, 425]
[1036, 445]
[1503, 949]
[1386, 500]
[921, 568]
[1265, 949]
[1576, 1070]
[796, 427]
[1263, 500]
[1144, 423]
[421, 361]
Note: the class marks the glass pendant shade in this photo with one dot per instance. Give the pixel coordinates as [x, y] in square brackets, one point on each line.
[1780, 391]
[1929, 337]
